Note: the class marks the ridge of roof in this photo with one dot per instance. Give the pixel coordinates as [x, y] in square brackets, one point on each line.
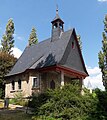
[45, 53]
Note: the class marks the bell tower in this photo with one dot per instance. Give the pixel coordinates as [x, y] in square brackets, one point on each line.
[57, 27]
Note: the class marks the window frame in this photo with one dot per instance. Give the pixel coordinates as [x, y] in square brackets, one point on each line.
[35, 82]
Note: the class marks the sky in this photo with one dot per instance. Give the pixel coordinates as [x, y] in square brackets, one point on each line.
[86, 16]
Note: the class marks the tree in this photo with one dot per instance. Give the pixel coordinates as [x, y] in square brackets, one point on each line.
[6, 63]
[105, 24]
[33, 37]
[79, 41]
[102, 55]
[7, 41]
[7, 60]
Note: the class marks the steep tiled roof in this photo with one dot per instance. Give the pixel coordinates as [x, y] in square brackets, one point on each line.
[57, 18]
[43, 54]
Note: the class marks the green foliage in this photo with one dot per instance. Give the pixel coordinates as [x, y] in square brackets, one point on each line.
[7, 41]
[105, 24]
[44, 118]
[1, 92]
[101, 60]
[18, 99]
[6, 63]
[79, 41]
[33, 37]
[102, 55]
[101, 106]
[38, 100]
[6, 59]
[66, 104]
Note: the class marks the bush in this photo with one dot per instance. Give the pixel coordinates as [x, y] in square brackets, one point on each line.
[101, 108]
[1, 93]
[65, 104]
[18, 99]
[45, 118]
[37, 100]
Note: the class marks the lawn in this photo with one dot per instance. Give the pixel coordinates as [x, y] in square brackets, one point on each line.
[9, 114]
[14, 115]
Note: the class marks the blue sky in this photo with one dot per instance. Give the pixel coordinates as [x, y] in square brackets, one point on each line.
[86, 16]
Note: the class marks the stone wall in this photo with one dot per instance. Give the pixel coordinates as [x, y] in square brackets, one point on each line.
[46, 78]
[24, 85]
[27, 83]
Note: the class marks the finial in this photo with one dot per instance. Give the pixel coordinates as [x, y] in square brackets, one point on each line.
[56, 9]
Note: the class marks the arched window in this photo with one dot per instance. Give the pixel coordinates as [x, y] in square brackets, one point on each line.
[19, 84]
[60, 25]
[13, 85]
[55, 25]
[52, 84]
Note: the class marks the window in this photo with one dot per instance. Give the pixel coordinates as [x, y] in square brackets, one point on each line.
[60, 25]
[19, 84]
[35, 82]
[13, 85]
[55, 25]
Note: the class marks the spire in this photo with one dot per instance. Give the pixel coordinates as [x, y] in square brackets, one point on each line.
[56, 9]
[57, 16]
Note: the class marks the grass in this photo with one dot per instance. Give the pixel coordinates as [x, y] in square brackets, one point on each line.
[13, 114]
[17, 115]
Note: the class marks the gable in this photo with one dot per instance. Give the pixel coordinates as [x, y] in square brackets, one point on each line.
[47, 53]
[72, 57]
